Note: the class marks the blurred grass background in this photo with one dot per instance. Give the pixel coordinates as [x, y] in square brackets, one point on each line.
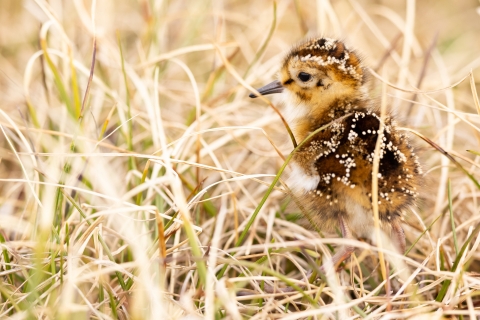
[127, 200]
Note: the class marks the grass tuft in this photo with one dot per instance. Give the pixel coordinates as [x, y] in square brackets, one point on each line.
[139, 181]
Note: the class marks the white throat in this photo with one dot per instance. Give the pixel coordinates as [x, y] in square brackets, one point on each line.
[294, 109]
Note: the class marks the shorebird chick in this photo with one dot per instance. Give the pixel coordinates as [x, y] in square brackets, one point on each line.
[331, 175]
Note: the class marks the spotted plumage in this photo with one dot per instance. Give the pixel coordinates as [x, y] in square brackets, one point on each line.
[322, 81]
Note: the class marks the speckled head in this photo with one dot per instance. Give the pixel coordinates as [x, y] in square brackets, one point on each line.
[321, 68]
[329, 55]
[318, 72]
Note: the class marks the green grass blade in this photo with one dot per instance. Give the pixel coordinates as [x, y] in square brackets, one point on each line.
[267, 40]
[270, 189]
[6, 259]
[446, 283]
[452, 220]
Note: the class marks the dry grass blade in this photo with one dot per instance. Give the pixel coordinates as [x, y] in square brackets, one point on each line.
[249, 87]
[182, 51]
[375, 172]
[416, 91]
[474, 93]
[90, 78]
[388, 52]
[423, 71]
[445, 153]
[135, 171]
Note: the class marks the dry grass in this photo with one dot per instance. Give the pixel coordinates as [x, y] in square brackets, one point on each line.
[129, 195]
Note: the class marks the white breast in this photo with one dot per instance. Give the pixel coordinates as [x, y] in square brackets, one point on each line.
[300, 181]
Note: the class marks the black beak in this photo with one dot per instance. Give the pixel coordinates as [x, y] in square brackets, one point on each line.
[272, 87]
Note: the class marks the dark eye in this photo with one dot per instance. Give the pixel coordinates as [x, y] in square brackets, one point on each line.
[304, 76]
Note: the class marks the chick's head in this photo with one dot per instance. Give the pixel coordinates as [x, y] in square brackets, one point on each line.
[320, 71]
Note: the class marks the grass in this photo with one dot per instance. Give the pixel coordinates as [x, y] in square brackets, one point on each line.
[139, 181]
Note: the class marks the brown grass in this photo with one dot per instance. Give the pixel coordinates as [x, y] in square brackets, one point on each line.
[129, 200]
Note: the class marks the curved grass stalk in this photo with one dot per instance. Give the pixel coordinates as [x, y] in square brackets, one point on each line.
[272, 185]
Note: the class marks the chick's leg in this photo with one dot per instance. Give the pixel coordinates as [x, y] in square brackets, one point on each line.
[346, 250]
[398, 236]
